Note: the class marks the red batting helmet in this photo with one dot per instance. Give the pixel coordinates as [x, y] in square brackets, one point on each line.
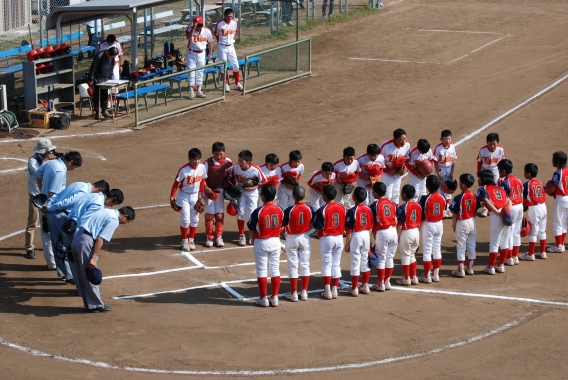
[424, 167]
[231, 209]
[32, 55]
[198, 20]
[49, 52]
[64, 49]
[40, 52]
[449, 187]
[526, 227]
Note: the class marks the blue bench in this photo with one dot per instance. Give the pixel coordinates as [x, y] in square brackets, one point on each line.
[180, 78]
[64, 38]
[252, 60]
[12, 52]
[143, 91]
[157, 72]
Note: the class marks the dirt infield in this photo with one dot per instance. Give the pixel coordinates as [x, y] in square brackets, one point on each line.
[431, 65]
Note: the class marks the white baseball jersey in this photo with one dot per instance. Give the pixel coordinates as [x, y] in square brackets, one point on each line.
[253, 172]
[317, 177]
[105, 46]
[416, 155]
[365, 162]
[445, 157]
[272, 176]
[199, 41]
[341, 169]
[225, 33]
[390, 152]
[190, 178]
[286, 168]
[489, 160]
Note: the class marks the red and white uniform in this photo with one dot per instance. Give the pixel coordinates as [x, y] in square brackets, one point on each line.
[560, 210]
[359, 221]
[248, 201]
[386, 238]
[464, 206]
[285, 198]
[104, 45]
[373, 168]
[330, 223]
[394, 156]
[225, 35]
[535, 199]
[446, 158]
[216, 173]
[419, 184]
[409, 216]
[188, 183]
[195, 56]
[297, 220]
[265, 223]
[346, 174]
[489, 160]
[316, 183]
[433, 206]
[273, 177]
[498, 232]
[514, 189]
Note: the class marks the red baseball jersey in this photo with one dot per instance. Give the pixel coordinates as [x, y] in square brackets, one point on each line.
[266, 221]
[384, 214]
[409, 215]
[359, 218]
[514, 189]
[560, 179]
[297, 219]
[465, 205]
[533, 192]
[494, 193]
[433, 206]
[330, 220]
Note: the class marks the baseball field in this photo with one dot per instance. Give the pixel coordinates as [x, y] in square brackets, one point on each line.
[470, 66]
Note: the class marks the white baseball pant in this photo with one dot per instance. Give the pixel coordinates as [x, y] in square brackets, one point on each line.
[466, 234]
[343, 199]
[247, 204]
[370, 199]
[195, 60]
[298, 250]
[330, 254]
[315, 200]
[407, 245]
[498, 233]
[189, 217]
[515, 234]
[285, 198]
[419, 185]
[560, 215]
[116, 71]
[392, 182]
[432, 240]
[446, 175]
[267, 257]
[536, 216]
[217, 206]
[227, 53]
[386, 243]
[359, 250]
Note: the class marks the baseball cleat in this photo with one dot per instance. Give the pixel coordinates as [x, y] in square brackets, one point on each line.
[403, 281]
[191, 94]
[326, 295]
[489, 270]
[304, 295]
[219, 241]
[483, 213]
[381, 5]
[414, 280]
[103, 309]
[249, 241]
[364, 289]
[191, 244]
[527, 257]
[556, 249]
[201, 95]
[447, 214]
[516, 260]
[30, 254]
[274, 301]
[457, 273]
[469, 271]
[541, 255]
[185, 246]
[354, 292]
[227, 88]
[239, 87]
[209, 243]
[378, 287]
[334, 292]
[510, 262]
[291, 296]
[242, 240]
[425, 280]
[262, 302]
[500, 268]
[387, 284]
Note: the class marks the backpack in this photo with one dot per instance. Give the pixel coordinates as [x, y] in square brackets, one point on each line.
[126, 69]
[60, 120]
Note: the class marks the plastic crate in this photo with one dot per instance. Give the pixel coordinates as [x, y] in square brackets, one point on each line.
[39, 118]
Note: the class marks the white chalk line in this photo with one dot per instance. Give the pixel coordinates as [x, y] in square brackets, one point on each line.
[86, 153]
[68, 136]
[272, 372]
[152, 206]
[391, 60]
[489, 43]
[15, 169]
[232, 291]
[454, 31]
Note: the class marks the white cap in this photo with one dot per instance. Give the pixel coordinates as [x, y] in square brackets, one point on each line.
[43, 146]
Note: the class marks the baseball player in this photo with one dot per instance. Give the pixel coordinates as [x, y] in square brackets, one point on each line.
[346, 174]
[433, 205]
[421, 152]
[358, 224]
[409, 217]
[44, 152]
[318, 180]
[217, 167]
[292, 171]
[272, 172]
[264, 225]
[445, 157]
[395, 152]
[199, 39]
[297, 220]
[488, 158]
[190, 181]
[225, 32]
[107, 44]
[535, 203]
[463, 207]
[558, 187]
[514, 189]
[494, 198]
[86, 247]
[240, 174]
[371, 164]
[386, 238]
[329, 221]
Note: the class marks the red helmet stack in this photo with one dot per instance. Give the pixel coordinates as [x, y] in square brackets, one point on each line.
[41, 68]
[57, 50]
[64, 49]
[32, 55]
[49, 52]
[41, 53]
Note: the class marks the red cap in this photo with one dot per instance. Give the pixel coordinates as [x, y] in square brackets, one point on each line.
[198, 20]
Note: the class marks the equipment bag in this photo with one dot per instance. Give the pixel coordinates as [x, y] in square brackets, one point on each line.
[60, 120]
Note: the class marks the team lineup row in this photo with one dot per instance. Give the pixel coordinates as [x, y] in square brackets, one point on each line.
[360, 196]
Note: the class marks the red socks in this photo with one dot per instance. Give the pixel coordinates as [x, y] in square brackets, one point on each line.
[437, 263]
[365, 276]
[406, 272]
[275, 284]
[326, 280]
[492, 259]
[563, 238]
[388, 273]
[192, 231]
[236, 76]
[293, 285]
[558, 240]
[305, 282]
[184, 232]
[413, 269]
[532, 247]
[335, 282]
[503, 256]
[261, 281]
[380, 275]
[461, 264]
[427, 268]
[241, 224]
[516, 250]
[354, 282]
[542, 246]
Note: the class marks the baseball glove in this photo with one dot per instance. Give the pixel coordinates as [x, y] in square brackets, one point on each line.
[402, 170]
[348, 188]
[232, 193]
[199, 205]
[249, 183]
[292, 181]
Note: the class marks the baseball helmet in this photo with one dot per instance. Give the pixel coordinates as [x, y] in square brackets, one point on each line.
[449, 187]
[506, 215]
[232, 209]
[32, 55]
[57, 50]
[232, 193]
[40, 52]
[41, 68]
[50, 67]
[69, 226]
[424, 167]
[175, 206]
[49, 52]
[197, 20]
[64, 49]
[95, 276]
[39, 200]
[525, 227]
[373, 258]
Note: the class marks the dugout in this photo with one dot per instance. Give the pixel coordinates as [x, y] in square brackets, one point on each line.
[133, 9]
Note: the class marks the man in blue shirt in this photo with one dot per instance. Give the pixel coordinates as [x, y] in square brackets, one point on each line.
[52, 176]
[86, 247]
